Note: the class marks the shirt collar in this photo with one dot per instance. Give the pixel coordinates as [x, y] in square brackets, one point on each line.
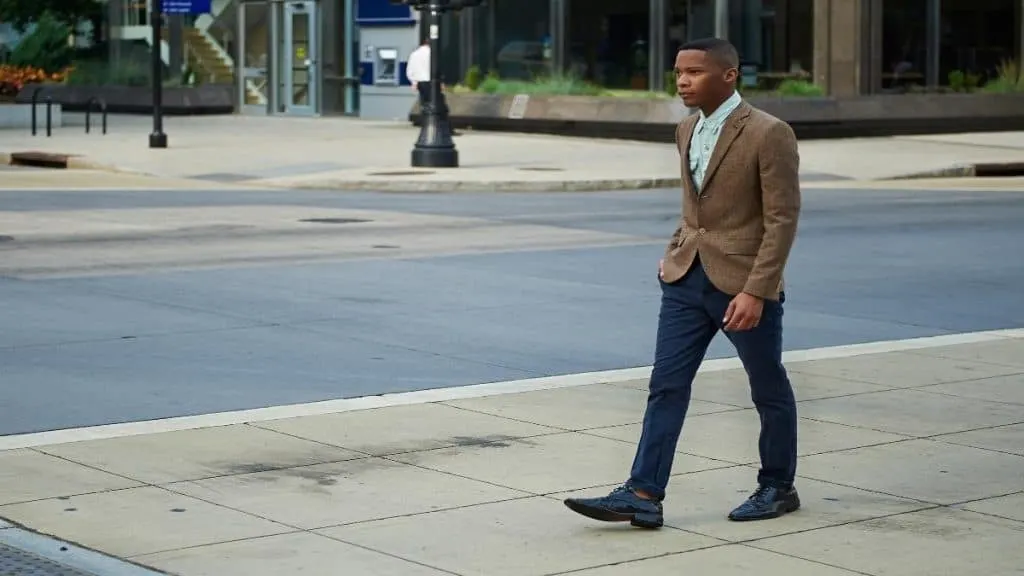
[723, 111]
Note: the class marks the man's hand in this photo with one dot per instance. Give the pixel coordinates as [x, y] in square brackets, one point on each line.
[743, 313]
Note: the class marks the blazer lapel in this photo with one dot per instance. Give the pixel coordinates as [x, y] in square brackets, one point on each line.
[687, 136]
[730, 131]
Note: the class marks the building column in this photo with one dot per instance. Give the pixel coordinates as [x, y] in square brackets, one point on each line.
[722, 19]
[933, 41]
[780, 38]
[841, 51]
[657, 46]
[467, 41]
[559, 34]
[1020, 33]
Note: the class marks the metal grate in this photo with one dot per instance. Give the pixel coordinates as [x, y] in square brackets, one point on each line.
[15, 562]
[334, 220]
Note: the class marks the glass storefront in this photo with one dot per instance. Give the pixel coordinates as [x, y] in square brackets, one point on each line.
[952, 43]
[629, 44]
[775, 37]
[609, 42]
[510, 37]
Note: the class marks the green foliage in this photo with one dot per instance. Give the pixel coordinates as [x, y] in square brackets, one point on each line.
[1010, 79]
[474, 77]
[21, 13]
[102, 73]
[555, 85]
[46, 47]
[670, 84]
[491, 84]
[959, 81]
[799, 88]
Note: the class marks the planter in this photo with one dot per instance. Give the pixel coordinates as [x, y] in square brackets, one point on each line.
[177, 101]
[656, 119]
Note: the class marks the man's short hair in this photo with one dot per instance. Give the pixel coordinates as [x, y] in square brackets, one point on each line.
[723, 52]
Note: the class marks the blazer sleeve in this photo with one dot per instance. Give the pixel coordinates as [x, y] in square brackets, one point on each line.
[779, 165]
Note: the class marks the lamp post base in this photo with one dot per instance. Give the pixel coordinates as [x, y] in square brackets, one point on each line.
[158, 140]
[435, 157]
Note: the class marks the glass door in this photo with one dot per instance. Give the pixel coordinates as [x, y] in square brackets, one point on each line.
[300, 62]
[253, 57]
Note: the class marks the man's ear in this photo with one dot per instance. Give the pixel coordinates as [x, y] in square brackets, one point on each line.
[731, 75]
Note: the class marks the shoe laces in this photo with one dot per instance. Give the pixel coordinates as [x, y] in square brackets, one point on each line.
[763, 492]
[624, 489]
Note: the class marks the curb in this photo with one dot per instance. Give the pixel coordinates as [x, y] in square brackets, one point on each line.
[479, 186]
[57, 161]
[980, 170]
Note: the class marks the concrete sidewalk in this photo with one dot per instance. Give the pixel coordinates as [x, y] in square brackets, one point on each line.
[341, 153]
[912, 464]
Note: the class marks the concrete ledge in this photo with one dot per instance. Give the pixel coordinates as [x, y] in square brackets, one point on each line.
[177, 101]
[54, 160]
[655, 119]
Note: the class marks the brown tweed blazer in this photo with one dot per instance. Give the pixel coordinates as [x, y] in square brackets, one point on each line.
[743, 223]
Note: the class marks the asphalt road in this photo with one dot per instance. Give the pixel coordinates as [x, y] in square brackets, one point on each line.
[143, 343]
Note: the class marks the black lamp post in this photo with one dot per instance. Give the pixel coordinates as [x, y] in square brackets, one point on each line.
[157, 139]
[435, 148]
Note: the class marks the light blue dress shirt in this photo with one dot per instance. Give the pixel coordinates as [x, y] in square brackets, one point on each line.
[705, 138]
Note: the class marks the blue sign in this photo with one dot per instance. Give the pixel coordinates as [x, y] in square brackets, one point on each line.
[186, 6]
[382, 13]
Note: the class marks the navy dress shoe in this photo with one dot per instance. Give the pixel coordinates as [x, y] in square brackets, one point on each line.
[765, 503]
[622, 505]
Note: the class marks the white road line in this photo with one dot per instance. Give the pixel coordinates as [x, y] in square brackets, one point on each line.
[461, 392]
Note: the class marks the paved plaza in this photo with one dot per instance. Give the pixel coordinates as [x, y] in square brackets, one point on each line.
[350, 154]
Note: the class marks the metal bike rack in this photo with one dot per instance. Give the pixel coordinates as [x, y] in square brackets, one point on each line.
[88, 113]
[49, 112]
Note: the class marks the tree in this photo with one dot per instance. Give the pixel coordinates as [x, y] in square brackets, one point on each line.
[21, 13]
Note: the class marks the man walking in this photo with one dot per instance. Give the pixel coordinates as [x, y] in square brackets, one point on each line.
[722, 270]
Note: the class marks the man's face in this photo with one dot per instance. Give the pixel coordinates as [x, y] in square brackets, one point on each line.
[700, 80]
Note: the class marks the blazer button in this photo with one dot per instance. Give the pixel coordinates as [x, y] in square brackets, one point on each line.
[701, 231]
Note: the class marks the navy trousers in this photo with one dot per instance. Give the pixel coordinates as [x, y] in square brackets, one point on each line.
[691, 314]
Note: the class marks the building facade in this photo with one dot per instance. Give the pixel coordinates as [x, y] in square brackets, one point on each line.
[285, 57]
[846, 46]
[334, 57]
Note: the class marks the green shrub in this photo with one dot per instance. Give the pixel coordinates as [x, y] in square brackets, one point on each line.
[555, 85]
[1010, 79]
[670, 84]
[102, 73]
[474, 77]
[799, 88]
[47, 47]
[957, 80]
[960, 81]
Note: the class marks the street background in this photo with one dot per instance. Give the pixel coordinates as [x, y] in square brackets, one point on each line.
[262, 362]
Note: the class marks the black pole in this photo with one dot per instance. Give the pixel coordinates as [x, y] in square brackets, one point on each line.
[157, 139]
[435, 148]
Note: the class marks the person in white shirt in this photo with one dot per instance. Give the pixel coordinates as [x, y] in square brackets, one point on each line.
[417, 71]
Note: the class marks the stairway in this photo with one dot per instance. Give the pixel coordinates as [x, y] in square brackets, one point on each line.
[211, 66]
